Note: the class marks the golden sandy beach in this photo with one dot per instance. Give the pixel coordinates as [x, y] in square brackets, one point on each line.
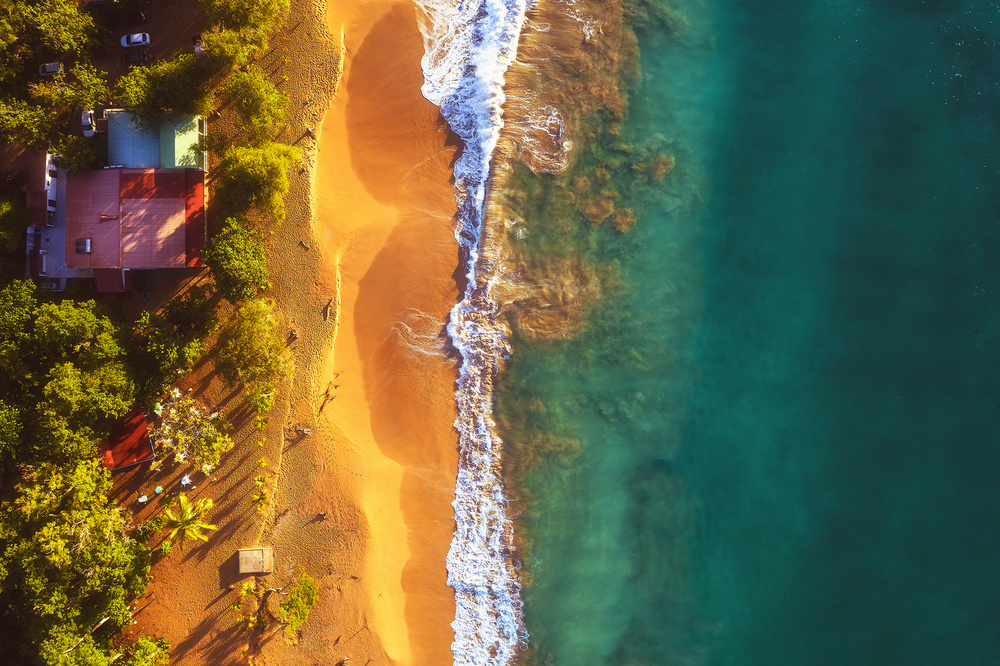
[384, 216]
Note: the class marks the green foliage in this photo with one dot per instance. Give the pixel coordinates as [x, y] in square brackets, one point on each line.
[58, 27]
[260, 397]
[250, 176]
[259, 499]
[253, 19]
[76, 153]
[185, 520]
[64, 367]
[84, 86]
[160, 354]
[301, 598]
[68, 562]
[238, 261]
[257, 102]
[34, 110]
[181, 84]
[78, 407]
[185, 430]
[148, 652]
[70, 330]
[224, 51]
[252, 352]
[13, 222]
[164, 346]
[11, 424]
[17, 304]
[192, 314]
[33, 125]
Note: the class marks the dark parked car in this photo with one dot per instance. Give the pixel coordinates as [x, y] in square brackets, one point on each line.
[135, 58]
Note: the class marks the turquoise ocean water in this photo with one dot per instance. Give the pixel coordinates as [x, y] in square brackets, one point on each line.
[787, 418]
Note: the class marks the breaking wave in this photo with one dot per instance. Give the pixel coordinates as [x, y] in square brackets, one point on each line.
[468, 46]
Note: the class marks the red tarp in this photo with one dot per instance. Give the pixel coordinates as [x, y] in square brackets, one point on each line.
[129, 442]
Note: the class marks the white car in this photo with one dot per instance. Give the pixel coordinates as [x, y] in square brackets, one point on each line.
[87, 120]
[50, 68]
[135, 39]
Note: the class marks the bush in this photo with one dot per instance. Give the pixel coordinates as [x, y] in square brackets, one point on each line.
[237, 259]
[180, 84]
[301, 598]
[185, 430]
[254, 19]
[253, 353]
[257, 102]
[13, 223]
[255, 176]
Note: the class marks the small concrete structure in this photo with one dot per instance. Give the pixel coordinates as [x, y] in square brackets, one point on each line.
[256, 560]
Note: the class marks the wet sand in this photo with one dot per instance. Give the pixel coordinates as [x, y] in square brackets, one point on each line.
[384, 209]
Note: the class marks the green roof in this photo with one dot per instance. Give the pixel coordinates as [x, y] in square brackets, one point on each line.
[179, 143]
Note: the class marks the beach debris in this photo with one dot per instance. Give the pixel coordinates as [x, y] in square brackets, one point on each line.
[143, 499]
[185, 480]
[294, 333]
[327, 308]
[303, 244]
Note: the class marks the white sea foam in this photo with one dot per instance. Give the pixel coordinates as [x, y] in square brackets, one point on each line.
[468, 45]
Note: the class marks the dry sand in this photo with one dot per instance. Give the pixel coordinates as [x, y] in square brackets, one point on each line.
[363, 270]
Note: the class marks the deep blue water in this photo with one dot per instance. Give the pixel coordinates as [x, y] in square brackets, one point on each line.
[789, 449]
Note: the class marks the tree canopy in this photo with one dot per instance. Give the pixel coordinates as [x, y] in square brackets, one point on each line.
[253, 353]
[68, 562]
[164, 346]
[253, 19]
[255, 176]
[34, 32]
[257, 102]
[238, 261]
[64, 369]
[178, 84]
[185, 429]
[184, 520]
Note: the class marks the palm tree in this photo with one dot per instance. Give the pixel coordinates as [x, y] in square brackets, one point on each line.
[184, 520]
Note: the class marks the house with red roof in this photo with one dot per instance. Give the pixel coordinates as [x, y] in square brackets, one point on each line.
[146, 212]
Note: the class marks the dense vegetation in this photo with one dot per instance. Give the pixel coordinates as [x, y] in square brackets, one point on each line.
[253, 354]
[32, 33]
[70, 558]
[236, 256]
[71, 562]
[13, 222]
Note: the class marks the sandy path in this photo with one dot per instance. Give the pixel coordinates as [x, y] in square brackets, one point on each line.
[384, 219]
